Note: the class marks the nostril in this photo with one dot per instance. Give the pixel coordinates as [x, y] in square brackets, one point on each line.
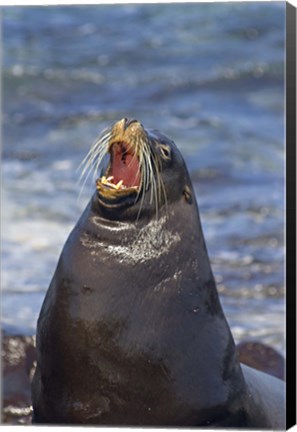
[128, 122]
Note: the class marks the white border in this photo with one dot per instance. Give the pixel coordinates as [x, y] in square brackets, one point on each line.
[12, 3]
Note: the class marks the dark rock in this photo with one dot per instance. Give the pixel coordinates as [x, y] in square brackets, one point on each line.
[18, 362]
[262, 357]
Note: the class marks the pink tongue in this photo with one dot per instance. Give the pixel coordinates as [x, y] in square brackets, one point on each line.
[124, 167]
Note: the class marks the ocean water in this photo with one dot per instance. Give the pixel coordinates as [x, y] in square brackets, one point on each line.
[210, 76]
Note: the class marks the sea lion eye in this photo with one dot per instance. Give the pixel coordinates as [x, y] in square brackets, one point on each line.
[165, 151]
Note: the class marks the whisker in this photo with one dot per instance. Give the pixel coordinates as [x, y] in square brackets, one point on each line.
[149, 172]
[93, 159]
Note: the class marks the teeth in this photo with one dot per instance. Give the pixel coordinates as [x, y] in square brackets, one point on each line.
[108, 182]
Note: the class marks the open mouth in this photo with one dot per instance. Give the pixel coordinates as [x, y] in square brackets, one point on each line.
[123, 176]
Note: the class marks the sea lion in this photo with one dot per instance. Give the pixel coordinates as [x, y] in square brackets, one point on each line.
[131, 331]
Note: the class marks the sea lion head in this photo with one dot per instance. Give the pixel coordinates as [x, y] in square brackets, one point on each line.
[145, 171]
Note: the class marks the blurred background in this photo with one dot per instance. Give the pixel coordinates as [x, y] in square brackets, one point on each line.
[210, 76]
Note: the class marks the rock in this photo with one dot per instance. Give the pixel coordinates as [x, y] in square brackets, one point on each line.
[262, 357]
[18, 362]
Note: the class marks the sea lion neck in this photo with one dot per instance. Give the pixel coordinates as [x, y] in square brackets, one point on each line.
[125, 217]
[137, 239]
[140, 231]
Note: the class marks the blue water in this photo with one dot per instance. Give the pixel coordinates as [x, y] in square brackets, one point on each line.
[211, 76]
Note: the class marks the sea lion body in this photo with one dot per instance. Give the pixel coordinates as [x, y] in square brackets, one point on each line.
[268, 394]
[131, 331]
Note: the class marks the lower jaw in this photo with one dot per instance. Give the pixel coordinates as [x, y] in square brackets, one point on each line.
[117, 201]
